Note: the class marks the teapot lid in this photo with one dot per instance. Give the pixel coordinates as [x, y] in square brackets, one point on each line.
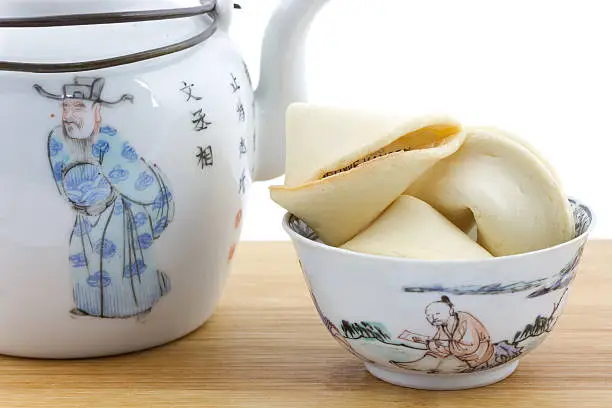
[17, 9]
[37, 14]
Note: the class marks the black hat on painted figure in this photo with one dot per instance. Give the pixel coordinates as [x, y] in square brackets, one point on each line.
[84, 88]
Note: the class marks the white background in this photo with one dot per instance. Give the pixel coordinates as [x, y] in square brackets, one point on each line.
[540, 69]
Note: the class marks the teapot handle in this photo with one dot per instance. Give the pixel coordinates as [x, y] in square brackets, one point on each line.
[207, 8]
[281, 82]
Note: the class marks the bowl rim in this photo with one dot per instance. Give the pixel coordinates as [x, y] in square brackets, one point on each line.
[295, 236]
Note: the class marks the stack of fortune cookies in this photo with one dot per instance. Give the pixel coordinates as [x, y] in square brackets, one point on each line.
[421, 187]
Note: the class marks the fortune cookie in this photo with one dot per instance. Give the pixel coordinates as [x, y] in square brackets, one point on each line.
[345, 167]
[498, 182]
[411, 228]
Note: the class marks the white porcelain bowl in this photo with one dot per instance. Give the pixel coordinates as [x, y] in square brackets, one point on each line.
[439, 325]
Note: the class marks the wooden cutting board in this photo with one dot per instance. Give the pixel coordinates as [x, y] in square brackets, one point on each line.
[265, 347]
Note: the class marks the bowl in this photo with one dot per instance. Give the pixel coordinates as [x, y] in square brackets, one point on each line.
[439, 325]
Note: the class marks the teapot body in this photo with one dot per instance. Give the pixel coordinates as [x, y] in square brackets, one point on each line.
[130, 139]
[122, 196]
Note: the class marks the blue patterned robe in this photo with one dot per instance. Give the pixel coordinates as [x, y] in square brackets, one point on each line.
[122, 205]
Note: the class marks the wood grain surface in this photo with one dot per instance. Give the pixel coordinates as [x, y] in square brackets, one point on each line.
[265, 347]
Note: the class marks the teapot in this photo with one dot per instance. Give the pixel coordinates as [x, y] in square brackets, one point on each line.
[132, 136]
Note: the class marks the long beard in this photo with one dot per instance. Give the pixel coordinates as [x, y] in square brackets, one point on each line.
[81, 148]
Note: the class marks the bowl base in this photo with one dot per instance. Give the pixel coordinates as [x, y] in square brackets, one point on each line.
[442, 382]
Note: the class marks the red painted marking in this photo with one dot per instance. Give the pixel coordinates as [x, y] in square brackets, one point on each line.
[238, 219]
[232, 251]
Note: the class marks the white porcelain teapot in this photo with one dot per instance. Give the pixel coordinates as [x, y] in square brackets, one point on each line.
[130, 139]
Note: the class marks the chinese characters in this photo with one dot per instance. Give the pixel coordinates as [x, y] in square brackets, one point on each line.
[234, 84]
[243, 147]
[198, 116]
[241, 112]
[188, 90]
[242, 187]
[199, 120]
[204, 156]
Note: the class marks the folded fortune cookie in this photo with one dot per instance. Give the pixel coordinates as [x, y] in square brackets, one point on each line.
[500, 183]
[411, 228]
[345, 167]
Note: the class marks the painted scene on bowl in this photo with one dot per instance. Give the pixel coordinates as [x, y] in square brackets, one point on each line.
[458, 341]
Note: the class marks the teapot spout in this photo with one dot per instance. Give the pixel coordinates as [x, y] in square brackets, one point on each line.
[281, 81]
